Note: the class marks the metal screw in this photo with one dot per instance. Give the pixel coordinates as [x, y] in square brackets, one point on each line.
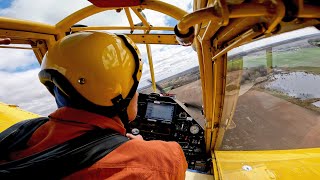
[247, 168]
[81, 81]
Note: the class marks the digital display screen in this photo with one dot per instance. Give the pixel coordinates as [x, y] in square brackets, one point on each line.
[159, 111]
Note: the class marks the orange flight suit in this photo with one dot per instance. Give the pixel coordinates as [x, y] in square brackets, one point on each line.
[135, 159]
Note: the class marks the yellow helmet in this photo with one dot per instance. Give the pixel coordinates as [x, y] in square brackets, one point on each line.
[95, 69]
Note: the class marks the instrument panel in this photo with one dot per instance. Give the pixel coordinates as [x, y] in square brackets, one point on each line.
[163, 118]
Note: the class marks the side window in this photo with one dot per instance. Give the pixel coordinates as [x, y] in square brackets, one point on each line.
[273, 95]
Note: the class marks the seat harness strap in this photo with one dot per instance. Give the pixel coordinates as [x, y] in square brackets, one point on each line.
[58, 161]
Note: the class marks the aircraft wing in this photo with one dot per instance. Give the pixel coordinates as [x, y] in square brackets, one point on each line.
[11, 114]
[275, 164]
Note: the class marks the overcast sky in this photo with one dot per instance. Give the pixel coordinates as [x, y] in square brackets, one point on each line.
[19, 68]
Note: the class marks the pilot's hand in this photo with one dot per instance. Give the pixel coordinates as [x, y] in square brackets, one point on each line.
[5, 41]
[131, 136]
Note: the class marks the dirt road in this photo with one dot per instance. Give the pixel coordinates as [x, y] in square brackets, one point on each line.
[264, 121]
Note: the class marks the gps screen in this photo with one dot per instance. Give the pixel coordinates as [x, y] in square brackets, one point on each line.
[159, 111]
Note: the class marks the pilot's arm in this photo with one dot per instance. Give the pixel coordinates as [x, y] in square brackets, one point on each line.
[183, 164]
[178, 158]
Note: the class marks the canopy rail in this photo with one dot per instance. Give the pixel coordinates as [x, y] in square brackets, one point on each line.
[17, 47]
[39, 42]
[75, 29]
[159, 6]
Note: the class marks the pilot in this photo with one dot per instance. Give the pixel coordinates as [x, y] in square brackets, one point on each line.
[94, 77]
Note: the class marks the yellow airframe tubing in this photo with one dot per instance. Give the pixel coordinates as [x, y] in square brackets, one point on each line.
[146, 24]
[143, 20]
[24, 25]
[207, 14]
[74, 29]
[128, 14]
[65, 24]
[309, 11]
[250, 34]
[151, 67]
[17, 47]
[168, 9]
[280, 12]
[208, 84]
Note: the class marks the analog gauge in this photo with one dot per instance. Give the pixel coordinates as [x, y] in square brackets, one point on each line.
[135, 131]
[194, 129]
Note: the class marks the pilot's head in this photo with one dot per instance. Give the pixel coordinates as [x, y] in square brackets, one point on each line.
[94, 71]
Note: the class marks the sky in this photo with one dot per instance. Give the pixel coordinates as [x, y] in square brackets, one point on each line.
[19, 68]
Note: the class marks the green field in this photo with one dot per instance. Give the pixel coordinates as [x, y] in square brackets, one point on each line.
[304, 59]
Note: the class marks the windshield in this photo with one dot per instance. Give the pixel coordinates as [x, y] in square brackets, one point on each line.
[273, 94]
[176, 70]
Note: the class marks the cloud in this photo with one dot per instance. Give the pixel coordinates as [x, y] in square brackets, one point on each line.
[52, 11]
[168, 61]
[25, 90]
[49, 11]
[13, 59]
[186, 5]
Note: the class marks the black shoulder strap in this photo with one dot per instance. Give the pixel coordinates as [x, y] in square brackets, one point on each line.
[17, 136]
[66, 158]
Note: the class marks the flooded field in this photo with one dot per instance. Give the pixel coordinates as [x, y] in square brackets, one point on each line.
[296, 84]
[317, 104]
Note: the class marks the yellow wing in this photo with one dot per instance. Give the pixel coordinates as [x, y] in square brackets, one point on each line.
[11, 114]
[275, 164]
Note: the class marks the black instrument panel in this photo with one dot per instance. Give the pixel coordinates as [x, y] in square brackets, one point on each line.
[162, 118]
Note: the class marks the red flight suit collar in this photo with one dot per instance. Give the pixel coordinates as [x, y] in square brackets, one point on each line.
[72, 115]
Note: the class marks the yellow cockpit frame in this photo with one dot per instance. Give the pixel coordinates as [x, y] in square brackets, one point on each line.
[219, 26]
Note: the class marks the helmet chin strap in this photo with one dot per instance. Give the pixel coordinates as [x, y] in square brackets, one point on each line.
[121, 105]
[125, 119]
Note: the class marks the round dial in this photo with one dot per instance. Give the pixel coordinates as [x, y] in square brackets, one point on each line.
[135, 131]
[194, 129]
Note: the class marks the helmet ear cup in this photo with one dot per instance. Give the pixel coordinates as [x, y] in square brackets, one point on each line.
[78, 101]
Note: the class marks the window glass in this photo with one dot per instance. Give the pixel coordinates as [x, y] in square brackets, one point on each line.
[273, 95]
[176, 70]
